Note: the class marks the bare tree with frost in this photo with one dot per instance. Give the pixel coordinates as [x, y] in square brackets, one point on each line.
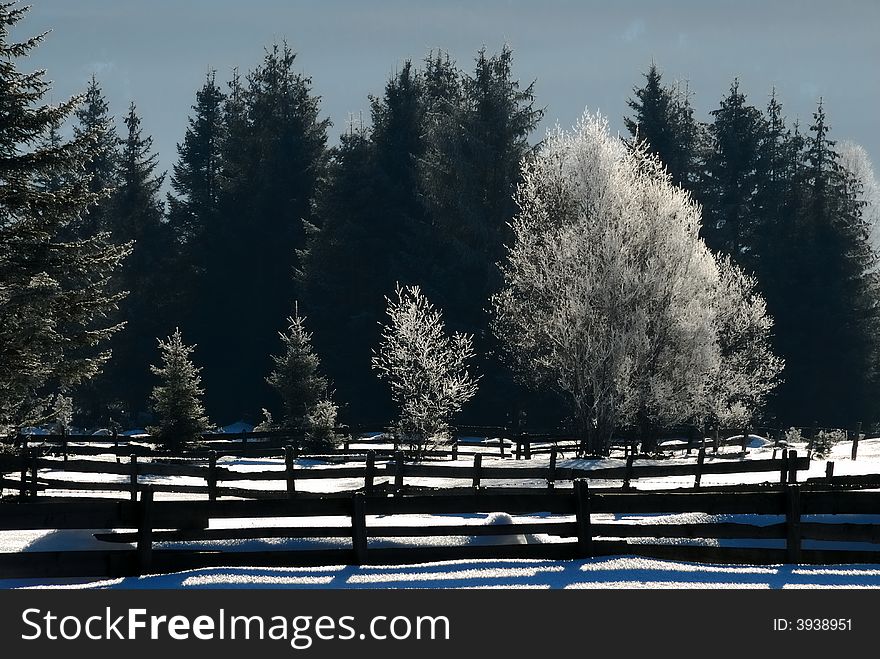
[426, 368]
[855, 159]
[609, 293]
[748, 370]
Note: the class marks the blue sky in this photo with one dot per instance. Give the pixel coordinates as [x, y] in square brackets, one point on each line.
[581, 54]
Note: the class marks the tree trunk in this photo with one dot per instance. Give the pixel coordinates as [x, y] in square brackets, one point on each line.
[647, 433]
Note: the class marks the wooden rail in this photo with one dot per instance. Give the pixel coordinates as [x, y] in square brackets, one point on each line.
[573, 520]
[221, 480]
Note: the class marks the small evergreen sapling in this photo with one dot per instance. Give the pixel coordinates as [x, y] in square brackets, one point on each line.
[177, 401]
[426, 368]
[303, 390]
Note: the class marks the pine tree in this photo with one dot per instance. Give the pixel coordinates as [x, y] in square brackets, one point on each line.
[663, 120]
[274, 160]
[840, 346]
[341, 289]
[297, 379]
[194, 207]
[470, 174]
[372, 204]
[55, 291]
[177, 401]
[137, 215]
[731, 177]
[93, 118]
[195, 179]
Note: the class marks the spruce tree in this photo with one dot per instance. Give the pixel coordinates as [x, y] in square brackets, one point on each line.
[196, 175]
[470, 174]
[93, 118]
[193, 209]
[731, 177]
[841, 342]
[371, 204]
[663, 120]
[274, 160]
[177, 400]
[297, 379]
[137, 215]
[55, 290]
[295, 376]
[341, 289]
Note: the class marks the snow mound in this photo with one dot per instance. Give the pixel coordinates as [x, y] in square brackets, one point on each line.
[237, 427]
[498, 519]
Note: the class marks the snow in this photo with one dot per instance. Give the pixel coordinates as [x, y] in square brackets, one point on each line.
[237, 427]
[607, 572]
[610, 572]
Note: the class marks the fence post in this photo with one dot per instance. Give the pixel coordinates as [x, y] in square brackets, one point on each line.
[64, 443]
[398, 472]
[716, 439]
[501, 444]
[212, 476]
[22, 488]
[145, 531]
[519, 447]
[345, 444]
[627, 475]
[455, 448]
[792, 466]
[701, 456]
[34, 455]
[133, 477]
[359, 528]
[528, 449]
[551, 474]
[745, 440]
[793, 523]
[584, 532]
[116, 444]
[369, 472]
[288, 471]
[855, 446]
[783, 471]
[829, 471]
[478, 468]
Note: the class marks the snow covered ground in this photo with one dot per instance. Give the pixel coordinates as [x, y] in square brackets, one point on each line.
[608, 572]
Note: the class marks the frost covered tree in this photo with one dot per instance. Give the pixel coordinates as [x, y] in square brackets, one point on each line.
[609, 294]
[748, 371]
[303, 389]
[56, 298]
[177, 401]
[857, 162]
[426, 368]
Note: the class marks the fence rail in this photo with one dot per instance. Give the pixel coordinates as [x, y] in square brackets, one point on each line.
[580, 530]
[38, 474]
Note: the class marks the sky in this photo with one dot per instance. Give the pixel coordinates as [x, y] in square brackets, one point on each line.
[580, 54]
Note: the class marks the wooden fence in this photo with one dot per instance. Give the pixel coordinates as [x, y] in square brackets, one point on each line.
[356, 440]
[219, 481]
[576, 516]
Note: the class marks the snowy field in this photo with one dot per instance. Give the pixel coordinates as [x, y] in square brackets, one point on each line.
[605, 572]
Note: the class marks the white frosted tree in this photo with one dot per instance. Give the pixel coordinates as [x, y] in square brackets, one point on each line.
[609, 293]
[748, 370]
[855, 159]
[426, 368]
[177, 400]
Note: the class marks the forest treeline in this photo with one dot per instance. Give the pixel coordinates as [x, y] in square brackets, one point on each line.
[265, 219]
